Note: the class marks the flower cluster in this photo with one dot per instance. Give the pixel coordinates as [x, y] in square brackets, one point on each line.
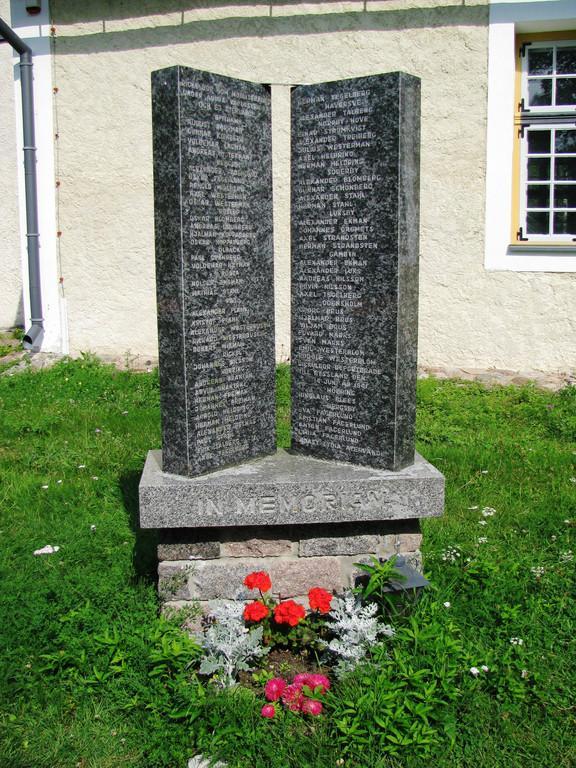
[258, 580]
[296, 696]
[287, 611]
[451, 555]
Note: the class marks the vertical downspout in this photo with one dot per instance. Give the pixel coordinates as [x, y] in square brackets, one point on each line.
[33, 337]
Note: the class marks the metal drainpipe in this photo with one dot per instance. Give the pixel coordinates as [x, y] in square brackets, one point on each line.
[33, 337]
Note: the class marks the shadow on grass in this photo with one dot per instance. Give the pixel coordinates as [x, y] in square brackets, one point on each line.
[146, 541]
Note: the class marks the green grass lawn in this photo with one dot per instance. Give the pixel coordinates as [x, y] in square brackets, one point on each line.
[90, 676]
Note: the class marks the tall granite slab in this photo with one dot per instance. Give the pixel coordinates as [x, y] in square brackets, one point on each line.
[355, 220]
[214, 269]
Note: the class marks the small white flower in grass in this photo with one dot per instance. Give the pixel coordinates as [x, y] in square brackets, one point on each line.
[573, 479]
[474, 671]
[482, 522]
[554, 538]
[81, 466]
[94, 477]
[537, 571]
[47, 550]
[524, 674]
[566, 557]
[450, 554]
[447, 604]
[488, 511]
[59, 482]
[45, 487]
[482, 540]
[92, 528]
[516, 641]
[484, 471]
[484, 668]
[124, 413]
[97, 431]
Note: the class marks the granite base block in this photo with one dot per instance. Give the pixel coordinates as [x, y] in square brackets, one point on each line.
[287, 489]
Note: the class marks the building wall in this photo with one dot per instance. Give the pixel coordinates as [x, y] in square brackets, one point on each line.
[10, 262]
[104, 53]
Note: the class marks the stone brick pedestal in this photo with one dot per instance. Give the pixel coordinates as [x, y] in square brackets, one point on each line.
[305, 521]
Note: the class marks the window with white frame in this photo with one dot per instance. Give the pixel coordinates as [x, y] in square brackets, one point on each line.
[546, 131]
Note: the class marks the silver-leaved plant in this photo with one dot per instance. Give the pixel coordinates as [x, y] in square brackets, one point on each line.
[356, 628]
[229, 646]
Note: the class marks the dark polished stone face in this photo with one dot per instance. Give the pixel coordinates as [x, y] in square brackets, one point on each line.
[355, 220]
[214, 269]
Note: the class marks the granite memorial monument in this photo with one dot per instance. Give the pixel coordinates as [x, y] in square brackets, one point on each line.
[225, 501]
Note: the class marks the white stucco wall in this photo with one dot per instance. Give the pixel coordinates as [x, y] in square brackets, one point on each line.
[10, 269]
[103, 58]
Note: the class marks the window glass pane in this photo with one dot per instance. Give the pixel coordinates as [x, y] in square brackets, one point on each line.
[539, 142]
[538, 196]
[565, 90]
[564, 196]
[537, 223]
[540, 92]
[565, 168]
[539, 61]
[565, 61]
[565, 141]
[539, 168]
[565, 223]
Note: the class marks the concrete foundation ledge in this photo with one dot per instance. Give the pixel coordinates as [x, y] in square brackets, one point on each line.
[287, 489]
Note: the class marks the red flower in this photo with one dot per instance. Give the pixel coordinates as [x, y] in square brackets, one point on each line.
[255, 611]
[319, 600]
[289, 612]
[319, 681]
[292, 697]
[258, 580]
[268, 710]
[273, 688]
[311, 707]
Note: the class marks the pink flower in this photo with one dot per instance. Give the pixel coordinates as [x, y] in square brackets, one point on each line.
[292, 696]
[312, 681]
[273, 688]
[311, 707]
[268, 710]
[319, 681]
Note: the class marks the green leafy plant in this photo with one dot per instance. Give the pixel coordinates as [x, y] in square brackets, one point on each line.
[380, 574]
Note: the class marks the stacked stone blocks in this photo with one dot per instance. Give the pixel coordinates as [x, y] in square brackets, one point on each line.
[202, 565]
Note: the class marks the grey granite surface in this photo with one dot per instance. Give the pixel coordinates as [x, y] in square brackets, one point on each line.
[214, 268]
[287, 488]
[355, 221]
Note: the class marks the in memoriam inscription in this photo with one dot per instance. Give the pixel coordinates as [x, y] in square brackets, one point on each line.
[355, 186]
[214, 269]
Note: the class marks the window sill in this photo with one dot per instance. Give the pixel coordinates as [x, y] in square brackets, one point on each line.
[531, 258]
[537, 249]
